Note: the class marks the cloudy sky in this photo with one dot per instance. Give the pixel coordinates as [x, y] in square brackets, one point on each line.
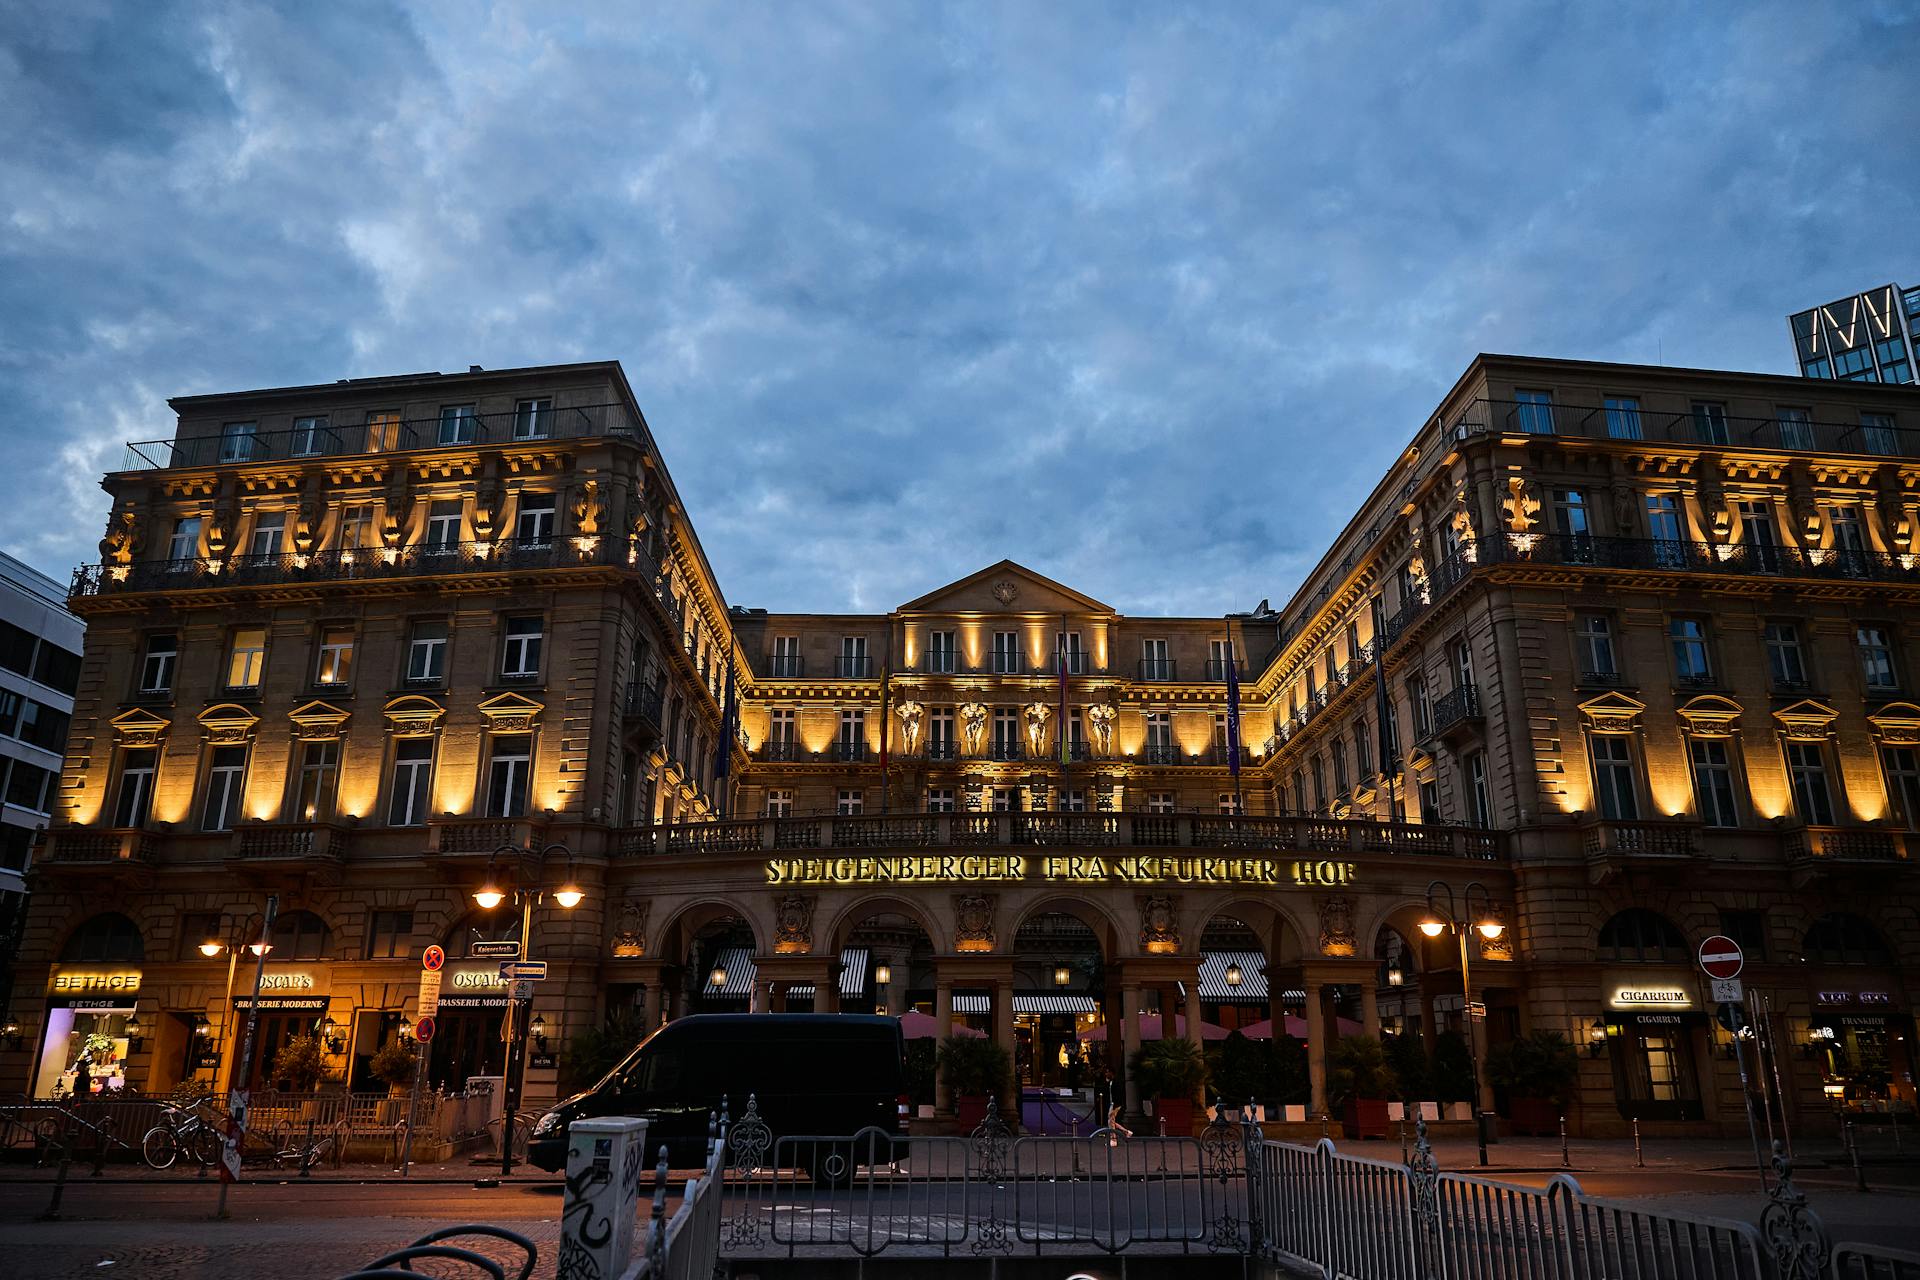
[1143, 296]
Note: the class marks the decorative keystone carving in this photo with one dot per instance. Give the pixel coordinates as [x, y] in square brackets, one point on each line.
[630, 930]
[973, 921]
[793, 923]
[1336, 926]
[1159, 924]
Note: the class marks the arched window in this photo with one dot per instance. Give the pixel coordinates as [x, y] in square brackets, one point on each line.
[299, 935]
[107, 938]
[1846, 939]
[1640, 936]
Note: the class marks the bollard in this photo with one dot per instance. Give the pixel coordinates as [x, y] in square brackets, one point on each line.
[1403, 1138]
[1853, 1148]
[1324, 1118]
[1639, 1160]
[1565, 1163]
[60, 1176]
[1073, 1141]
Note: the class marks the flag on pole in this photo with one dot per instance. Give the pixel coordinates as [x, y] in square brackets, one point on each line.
[1233, 708]
[1065, 748]
[729, 727]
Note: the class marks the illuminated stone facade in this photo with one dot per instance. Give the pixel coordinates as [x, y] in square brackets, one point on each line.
[1648, 641]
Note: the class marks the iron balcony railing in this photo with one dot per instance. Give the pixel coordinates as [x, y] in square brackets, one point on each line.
[1217, 669]
[941, 751]
[1067, 829]
[329, 440]
[644, 700]
[786, 666]
[1626, 423]
[1457, 706]
[939, 662]
[1158, 669]
[853, 666]
[351, 564]
[849, 751]
[782, 749]
[1737, 558]
[1162, 753]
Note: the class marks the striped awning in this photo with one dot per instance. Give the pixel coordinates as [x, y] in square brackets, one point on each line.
[1054, 1004]
[973, 1004]
[1214, 987]
[740, 971]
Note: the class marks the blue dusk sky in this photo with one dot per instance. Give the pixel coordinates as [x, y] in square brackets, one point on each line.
[1144, 296]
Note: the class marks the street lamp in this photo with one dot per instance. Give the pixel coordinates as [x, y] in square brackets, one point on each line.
[1446, 919]
[242, 937]
[1234, 975]
[492, 892]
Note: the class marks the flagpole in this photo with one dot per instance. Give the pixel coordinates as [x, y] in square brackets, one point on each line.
[886, 723]
[1066, 750]
[1233, 723]
[1385, 712]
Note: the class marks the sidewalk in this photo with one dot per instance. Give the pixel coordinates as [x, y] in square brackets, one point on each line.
[453, 1172]
[1543, 1155]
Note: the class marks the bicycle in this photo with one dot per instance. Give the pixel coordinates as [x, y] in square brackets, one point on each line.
[182, 1130]
[523, 1123]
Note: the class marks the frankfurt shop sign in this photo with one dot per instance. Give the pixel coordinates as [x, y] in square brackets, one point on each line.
[1013, 868]
[1651, 998]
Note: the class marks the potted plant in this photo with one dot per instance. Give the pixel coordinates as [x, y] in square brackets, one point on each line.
[1407, 1055]
[1359, 1082]
[977, 1069]
[1241, 1072]
[1292, 1081]
[1171, 1072]
[393, 1066]
[587, 1057]
[299, 1064]
[1538, 1073]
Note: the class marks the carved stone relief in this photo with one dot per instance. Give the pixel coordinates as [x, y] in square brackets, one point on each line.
[1336, 926]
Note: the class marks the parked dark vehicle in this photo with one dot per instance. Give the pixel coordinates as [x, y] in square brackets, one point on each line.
[810, 1073]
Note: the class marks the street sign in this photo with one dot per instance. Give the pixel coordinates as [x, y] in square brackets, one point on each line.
[423, 1030]
[520, 990]
[1731, 1016]
[433, 958]
[493, 950]
[1729, 991]
[1720, 957]
[528, 970]
[429, 1001]
[1476, 1010]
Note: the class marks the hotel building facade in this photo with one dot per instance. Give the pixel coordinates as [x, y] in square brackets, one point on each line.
[1619, 656]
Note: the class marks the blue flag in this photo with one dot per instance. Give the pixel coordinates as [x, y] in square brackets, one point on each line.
[1233, 708]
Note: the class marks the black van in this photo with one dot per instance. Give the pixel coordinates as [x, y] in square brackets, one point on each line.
[809, 1073]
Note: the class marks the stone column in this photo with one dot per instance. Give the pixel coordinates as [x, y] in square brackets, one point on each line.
[651, 1006]
[1129, 1029]
[762, 996]
[1316, 1049]
[1003, 1036]
[1370, 1008]
[942, 1014]
[1190, 1010]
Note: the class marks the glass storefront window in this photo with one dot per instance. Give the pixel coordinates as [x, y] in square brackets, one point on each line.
[97, 1034]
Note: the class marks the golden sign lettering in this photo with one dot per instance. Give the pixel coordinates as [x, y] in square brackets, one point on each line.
[1075, 869]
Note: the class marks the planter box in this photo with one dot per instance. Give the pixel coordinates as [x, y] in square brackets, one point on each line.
[1429, 1111]
[1293, 1114]
[1178, 1115]
[1459, 1111]
[1365, 1118]
[1539, 1117]
[969, 1111]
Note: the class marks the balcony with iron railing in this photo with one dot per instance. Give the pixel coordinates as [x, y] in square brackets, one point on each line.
[1456, 709]
[645, 699]
[1217, 669]
[1707, 431]
[354, 564]
[853, 666]
[1159, 669]
[786, 666]
[244, 448]
[1066, 829]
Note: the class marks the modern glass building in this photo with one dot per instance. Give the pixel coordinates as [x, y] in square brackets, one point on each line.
[1868, 337]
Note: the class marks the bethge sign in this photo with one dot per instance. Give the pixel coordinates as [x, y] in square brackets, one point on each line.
[1012, 868]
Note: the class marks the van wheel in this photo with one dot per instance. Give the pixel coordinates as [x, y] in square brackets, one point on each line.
[830, 1165]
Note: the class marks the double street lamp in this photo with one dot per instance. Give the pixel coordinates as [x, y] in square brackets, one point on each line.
[1443, 919]
[493, 891]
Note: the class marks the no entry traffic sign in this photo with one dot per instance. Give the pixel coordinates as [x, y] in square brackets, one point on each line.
[1720, 957]
[423, 1030]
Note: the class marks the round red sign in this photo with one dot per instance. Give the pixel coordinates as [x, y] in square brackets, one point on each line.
[433, 958]
[1720, 957]
[423, 1030]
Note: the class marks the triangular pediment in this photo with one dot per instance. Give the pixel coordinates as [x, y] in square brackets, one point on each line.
[318, 720]
[1807, 719]
[139, 727]
[1612, 711]
[511, 713]
[1006, 588]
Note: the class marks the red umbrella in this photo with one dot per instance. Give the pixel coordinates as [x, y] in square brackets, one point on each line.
[915, 1025]
[1296, 1026]
[1149, 1024]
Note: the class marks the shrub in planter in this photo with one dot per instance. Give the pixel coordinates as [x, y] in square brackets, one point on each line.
[920, 1077]
[1538, 1073]
[586, 1058]
[976, 1069]
[393, 1065]
[1241, 1071]
[1171, 1072]
[1452, 1068]
[1359, 1082]
[299, 1064]
[1407, 1055]
[1292, 1086]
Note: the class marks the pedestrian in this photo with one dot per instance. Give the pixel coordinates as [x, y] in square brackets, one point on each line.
[1116, 1130]
[82, 1077]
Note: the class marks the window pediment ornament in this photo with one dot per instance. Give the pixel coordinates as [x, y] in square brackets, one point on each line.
[412, 716]
[511, 713]
[139, 728]
[1710, 716]
[1806, 721]
[228, 724]
[318, 721]
[1897, 724]
[1613, 712]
